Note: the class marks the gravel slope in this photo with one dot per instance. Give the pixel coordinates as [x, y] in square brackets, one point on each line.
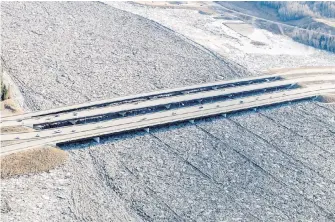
[275, 165]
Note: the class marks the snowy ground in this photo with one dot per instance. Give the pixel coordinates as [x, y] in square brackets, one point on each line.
[274, 165]
[228, 40]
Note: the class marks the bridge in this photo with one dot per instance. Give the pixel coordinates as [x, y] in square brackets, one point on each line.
[106, 117]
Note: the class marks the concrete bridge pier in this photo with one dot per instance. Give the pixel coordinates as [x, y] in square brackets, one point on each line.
[96, 139]
[73, 122]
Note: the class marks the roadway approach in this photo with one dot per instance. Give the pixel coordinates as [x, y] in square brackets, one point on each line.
[103, 118]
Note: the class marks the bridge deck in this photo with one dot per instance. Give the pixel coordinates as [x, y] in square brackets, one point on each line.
[154, 119]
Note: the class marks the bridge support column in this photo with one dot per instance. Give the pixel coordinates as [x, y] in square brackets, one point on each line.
[73, 122]
[316, 97]
[38, 127]
[96, 139]
[122, 113]
[292, 85]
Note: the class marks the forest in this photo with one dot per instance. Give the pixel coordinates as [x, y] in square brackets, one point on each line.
[297, 10]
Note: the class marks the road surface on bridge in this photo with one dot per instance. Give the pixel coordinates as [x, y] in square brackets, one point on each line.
[164, 101]
[285, 75]
[94, 130]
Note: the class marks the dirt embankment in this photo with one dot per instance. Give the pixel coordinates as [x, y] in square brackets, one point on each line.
[32, 161]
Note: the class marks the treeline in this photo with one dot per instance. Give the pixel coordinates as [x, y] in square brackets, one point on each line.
[325, 9]
[297, 10]
[309, 37]
[314, 34]
[315, 39]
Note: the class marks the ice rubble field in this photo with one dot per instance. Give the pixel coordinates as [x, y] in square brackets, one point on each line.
[274, 165]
